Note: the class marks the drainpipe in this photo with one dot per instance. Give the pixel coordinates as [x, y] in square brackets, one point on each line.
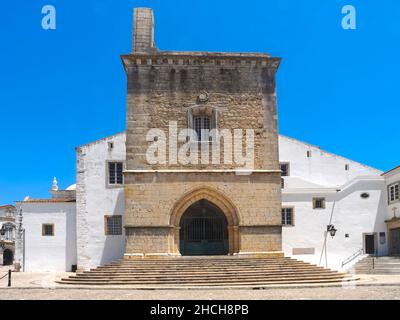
[23, 251]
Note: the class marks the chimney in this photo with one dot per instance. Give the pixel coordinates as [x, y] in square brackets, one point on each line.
[143, 32]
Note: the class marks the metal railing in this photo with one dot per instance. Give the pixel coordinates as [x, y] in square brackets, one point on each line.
[9, 277]
[352, 257]
[374, 256]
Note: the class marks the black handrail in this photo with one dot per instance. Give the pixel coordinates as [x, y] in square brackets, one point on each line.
[352, 257]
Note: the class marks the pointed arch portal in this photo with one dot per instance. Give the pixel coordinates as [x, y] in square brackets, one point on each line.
[205, 223]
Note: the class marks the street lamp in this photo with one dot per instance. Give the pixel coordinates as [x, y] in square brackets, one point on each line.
[2, 233]
[331, 229]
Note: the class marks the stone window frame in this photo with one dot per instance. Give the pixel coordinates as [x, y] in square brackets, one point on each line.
[107, 230]
[198, 110]
[323, 199]
[9, 213]
[44, 233]
[292, 217]
[9, 229]
[390, 186]
[116, 185]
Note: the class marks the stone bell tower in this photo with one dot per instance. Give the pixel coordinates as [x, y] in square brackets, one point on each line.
[200, 205]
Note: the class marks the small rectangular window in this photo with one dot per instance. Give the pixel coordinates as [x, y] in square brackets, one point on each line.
[282, 183]
[48, 230]
[202, 126]
[308, 154]
[287, 217]
[346, 167]
[382, 237]
[284, 169]
[110, 145]
[319, 203]
[115, 173]
[113, 225]
[393, 192]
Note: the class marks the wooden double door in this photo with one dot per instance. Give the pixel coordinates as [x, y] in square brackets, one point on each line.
[395, 241]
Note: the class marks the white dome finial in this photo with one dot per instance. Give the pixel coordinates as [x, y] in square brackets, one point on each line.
[55, 185]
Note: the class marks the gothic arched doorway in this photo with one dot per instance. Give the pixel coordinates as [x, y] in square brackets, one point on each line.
[8, 257]
[203, 230]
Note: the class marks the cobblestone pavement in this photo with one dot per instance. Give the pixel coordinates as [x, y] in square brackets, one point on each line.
[363, 293]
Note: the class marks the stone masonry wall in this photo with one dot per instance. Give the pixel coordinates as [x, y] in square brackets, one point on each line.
[163, 87]
[243, 94]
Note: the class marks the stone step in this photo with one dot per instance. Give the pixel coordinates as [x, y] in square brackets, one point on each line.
[390, 265]
[206, 272]
[229, 263]
[376, 267]
[204, 258]
[383, 257]
[206, 278]
[191, 275]
[382, 272]
[229, 271]
[199, 272]
[214, 284]
[209, 280]
[200, 261]
[379, 269]
[380, 265]
[194, 268]
[217, 263]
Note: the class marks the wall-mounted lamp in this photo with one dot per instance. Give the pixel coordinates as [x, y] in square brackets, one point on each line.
[331, 229]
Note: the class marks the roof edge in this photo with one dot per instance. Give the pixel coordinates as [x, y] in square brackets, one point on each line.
[100, 140]
[331, 153]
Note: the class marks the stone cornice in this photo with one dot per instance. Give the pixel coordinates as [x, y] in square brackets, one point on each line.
[200, 58]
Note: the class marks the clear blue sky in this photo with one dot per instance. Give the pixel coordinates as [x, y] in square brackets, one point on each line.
[338, 89]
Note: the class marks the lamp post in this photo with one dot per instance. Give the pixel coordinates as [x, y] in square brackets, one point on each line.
[2, 233]
[331, 229]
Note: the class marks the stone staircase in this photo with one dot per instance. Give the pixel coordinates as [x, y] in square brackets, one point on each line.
[207, 272]
[379, 265]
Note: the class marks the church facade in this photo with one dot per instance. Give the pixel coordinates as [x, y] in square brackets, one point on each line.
[183, 91]
[201, 170]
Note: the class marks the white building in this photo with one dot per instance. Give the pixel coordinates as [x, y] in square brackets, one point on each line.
[49, 225]
[7, 234]
[320, 189]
